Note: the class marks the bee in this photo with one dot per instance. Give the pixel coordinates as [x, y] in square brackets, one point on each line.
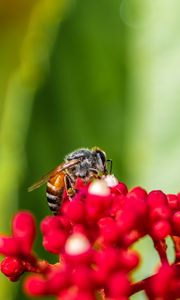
[82, 163]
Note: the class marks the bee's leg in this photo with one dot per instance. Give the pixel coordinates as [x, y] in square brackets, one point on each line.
[69, 186]
[94, 171]
[93, 174]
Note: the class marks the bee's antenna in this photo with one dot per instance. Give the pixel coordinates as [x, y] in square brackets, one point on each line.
[110, 161]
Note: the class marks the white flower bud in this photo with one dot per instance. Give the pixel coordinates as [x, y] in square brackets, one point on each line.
[111, 180]
[77, 244]
[99, 187]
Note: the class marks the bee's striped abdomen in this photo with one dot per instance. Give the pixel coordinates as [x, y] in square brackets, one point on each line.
[54, 192]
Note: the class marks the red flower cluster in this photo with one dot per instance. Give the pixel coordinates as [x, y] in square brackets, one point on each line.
[93, 235]
[18, 248]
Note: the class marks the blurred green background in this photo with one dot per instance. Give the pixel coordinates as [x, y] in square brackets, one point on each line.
[78, 73]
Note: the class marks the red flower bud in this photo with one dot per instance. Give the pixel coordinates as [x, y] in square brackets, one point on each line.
[119, 189]
[139, 192]
[54, 241]
[76, 211]
[173, 201]
[96, 207]
[126, 221]
[24, 229]
[159, 213]
[156, 198]
[12, 267]
[117, 204]
[35, 285]
[106, 262]
[57, 281]
[51, 223]
[159, 286]
[161, 229]
[131, 237]
[118, 285]
[109, 230]
[82, 278]
[129, 259]
[9, 246]
[136, 203]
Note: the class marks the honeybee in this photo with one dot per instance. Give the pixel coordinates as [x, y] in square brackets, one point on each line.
[82, 163]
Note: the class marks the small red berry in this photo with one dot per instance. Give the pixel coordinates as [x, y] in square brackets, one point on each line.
[54, 241]
[51, 223]
[173, 201]
[161, 229]
[12, 267]
[156, 198]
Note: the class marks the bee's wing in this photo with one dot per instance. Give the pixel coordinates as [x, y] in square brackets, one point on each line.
[52, 173]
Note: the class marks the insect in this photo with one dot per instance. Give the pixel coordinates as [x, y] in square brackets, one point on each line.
[84, 163]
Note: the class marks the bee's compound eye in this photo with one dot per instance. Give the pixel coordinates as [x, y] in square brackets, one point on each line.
[102, 156]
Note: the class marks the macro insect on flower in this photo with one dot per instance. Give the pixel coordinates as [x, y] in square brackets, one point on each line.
[84, 163]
